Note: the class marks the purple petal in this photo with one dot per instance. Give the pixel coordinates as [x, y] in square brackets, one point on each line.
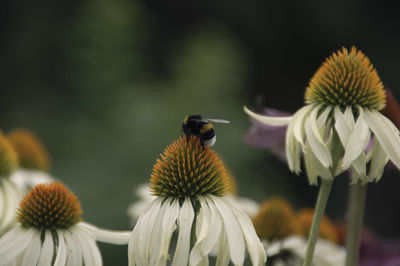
[268, 137]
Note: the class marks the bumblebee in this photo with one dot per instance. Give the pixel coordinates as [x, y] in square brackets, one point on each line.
[202, 128]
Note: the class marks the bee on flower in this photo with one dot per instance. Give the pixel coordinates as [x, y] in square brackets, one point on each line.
[190, 184]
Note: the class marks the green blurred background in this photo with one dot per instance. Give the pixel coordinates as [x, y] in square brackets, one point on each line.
[106, 84]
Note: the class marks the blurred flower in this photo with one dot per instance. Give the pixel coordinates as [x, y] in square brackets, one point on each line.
[190, 182]
[50, 231]
[9, 192]
[33, 160]
[327, 229]
[283, 234]
[373, 250]
[343, 102]
[261, 135]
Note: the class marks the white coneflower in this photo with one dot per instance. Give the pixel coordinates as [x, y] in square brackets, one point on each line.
[343, 101]
[50, 231]
[10, 194]
[33, 160]
[190, 182]
[332, 132]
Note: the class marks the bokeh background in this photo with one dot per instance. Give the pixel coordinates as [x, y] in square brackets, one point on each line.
[106, 84]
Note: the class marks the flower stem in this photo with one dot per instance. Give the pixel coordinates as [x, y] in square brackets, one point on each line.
[356, 215]
[322, 199]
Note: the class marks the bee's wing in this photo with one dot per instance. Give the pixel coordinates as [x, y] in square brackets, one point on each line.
[217, 120]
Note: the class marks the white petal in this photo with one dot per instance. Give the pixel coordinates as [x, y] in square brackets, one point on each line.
[46, 254]
[318, 146]
[254, 246]
[378, 162]
[107, 236]
[386, 133]
[202, 226]
[14, 242]
[61, 256]
[298, 122]
[74, 256]
[90, 252]
[185, 221]
[168, 227]
[31, 254]
[293, 151]
[223, 251]
[314, 167]
[233, 231]
[214, 231]
[138, 242]
[323, 117]
[356, 142]
[156, 234]
[343, 128]
[269, 120]
[145, 233]
[295, 138]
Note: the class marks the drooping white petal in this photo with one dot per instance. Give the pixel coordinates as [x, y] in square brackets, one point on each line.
[168, 227]
[323, 117]
[223, 250]
[314, 167]
[139, 242]
[14, 242]
[293, 151]
[107, 236]
[295, 138]
[74, 256]
[31, 254]
[386, 133]
[269, 120]
[90, 252]
[254, 246]
[156, 234]
[202, 226]
[378, 161]
[185, 221]
[298, 122]
[317, 144]
[357, 141]
[342, 126]
[233, 231]
[215, 231]
[61, 256]
[46, 254]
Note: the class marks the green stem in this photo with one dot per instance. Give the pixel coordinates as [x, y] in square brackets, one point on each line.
[356, 215]
[322, 199]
